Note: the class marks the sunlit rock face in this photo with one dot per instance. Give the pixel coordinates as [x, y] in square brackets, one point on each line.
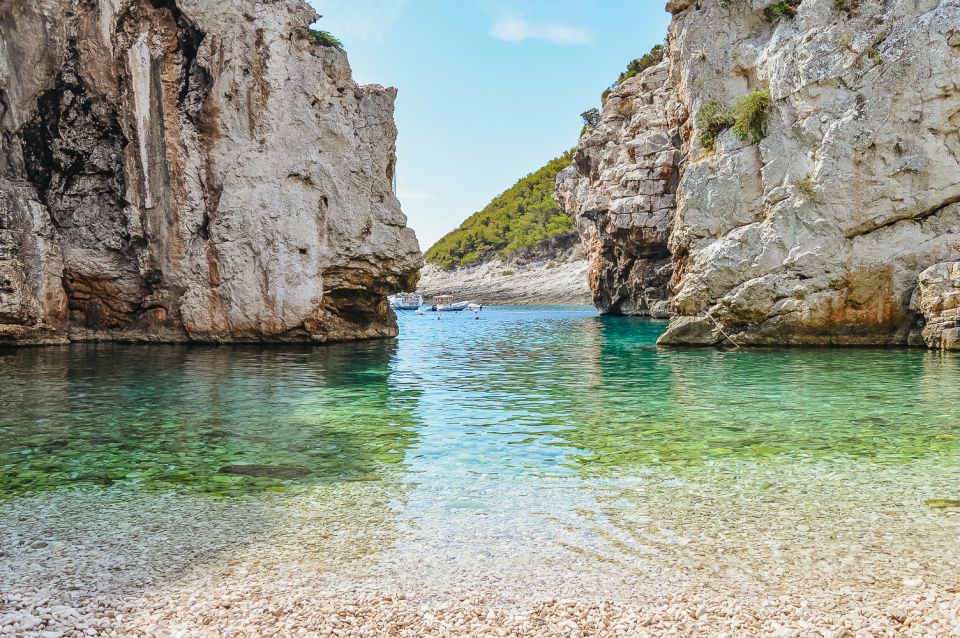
[938, 300]
[818, 233]
[622, 189]
[192, 170]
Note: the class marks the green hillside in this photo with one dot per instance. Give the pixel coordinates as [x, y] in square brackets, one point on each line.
[522, 218]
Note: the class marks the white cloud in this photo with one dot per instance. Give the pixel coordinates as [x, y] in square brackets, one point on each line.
[514, 29]
[364, 20]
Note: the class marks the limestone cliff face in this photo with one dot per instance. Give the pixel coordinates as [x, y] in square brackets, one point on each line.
[938, 300]
[191, 170]
[622, 189]
[818, 233]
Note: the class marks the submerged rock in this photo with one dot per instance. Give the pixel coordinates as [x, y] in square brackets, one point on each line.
[282, 472]
[191, 170]
[942, 503]
[813, 225]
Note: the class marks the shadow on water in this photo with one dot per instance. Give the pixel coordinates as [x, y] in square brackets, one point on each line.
[223, 421]
[113, 454]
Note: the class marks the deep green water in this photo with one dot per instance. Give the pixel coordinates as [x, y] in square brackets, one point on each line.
[531, 393]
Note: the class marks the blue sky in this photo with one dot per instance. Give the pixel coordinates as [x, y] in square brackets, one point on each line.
[490, 90]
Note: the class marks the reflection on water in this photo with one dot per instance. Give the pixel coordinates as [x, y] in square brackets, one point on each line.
[218, 420]
[536, 449]
[545, 392]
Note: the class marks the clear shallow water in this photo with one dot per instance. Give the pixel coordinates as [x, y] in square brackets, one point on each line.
[526, 393]
[536, 453]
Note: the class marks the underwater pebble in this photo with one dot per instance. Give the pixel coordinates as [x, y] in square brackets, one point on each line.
[118, 564]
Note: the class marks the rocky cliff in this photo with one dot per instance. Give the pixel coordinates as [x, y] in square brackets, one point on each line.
[819, 173]
[937, 299]
[192, 170]
[622, 190]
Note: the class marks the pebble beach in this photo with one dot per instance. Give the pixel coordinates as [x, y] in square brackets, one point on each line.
[349, 560]
[560, 281]
[540, 472]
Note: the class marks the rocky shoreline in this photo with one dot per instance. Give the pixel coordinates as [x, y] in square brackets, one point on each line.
[558, 281]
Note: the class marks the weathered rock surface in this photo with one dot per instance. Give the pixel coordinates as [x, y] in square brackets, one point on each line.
[818, 233]
[622, 188]
[559, 280]
[938, 300]
[192, 170]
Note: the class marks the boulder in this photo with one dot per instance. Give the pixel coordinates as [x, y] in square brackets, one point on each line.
[938, 300]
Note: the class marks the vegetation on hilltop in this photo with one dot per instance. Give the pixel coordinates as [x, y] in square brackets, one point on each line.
[522, 218]
[638, 66]
[525, 217]
[325, 39]
[634, 68]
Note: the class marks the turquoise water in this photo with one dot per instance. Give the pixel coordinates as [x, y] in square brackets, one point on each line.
[532, 393]
[541, 392]
[533, 455]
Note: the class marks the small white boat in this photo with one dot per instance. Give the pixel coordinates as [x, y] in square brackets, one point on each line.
[405, 301]
[443, 303]
[476, 307]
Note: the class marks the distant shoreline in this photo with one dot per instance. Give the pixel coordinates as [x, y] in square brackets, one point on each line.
[499, 283]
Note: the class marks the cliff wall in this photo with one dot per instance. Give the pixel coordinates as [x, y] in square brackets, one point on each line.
[192, 170]
[814, 225]
[621, 189]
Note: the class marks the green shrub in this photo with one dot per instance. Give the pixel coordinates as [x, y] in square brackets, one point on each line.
[874, 55]
[641, 64]
[635, 68]
[805, 186]
[591, 117]
[748, 119]
[522, 218]
[712, 121]
[750, 115]
[325, 39]
[783, 9]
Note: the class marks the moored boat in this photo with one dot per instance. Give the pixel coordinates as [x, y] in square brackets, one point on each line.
[405, 301]
[443, 303]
